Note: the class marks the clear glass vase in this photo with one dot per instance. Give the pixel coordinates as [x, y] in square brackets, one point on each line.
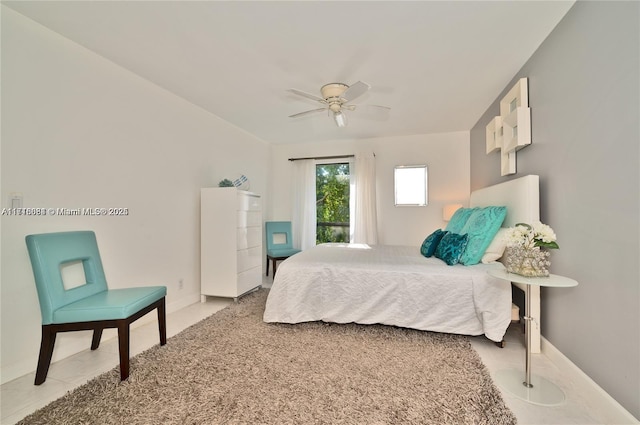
[532, 262]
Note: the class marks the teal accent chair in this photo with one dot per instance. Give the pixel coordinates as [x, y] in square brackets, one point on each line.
[278, 250]
[88, 306]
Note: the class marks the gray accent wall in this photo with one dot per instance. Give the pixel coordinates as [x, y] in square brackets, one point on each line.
[584, 95]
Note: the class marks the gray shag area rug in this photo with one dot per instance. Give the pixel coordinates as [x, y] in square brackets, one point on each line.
[232, 368]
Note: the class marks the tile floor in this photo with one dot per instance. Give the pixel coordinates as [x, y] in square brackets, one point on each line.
[579, 407]
[20, 397]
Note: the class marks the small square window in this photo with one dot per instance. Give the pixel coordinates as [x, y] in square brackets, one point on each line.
[410, 185]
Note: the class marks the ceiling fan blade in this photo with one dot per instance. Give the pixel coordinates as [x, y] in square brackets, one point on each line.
[373, 112]
[308, 95]
[355, 90]
[300, 114]
[354, 107]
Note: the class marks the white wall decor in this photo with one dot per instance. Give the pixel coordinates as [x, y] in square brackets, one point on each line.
[511, 130]
[507, 162]
[516, 117]
[494, 134]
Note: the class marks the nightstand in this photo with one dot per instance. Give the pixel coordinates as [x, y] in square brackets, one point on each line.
[536, 389]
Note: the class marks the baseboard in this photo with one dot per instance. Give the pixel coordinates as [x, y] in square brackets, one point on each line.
[183, 302]
[170, 308]
[611, 410]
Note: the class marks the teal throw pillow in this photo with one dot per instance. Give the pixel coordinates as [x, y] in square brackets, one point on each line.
[451, 247]
[459, 219]
[482, 226]
[430, 244]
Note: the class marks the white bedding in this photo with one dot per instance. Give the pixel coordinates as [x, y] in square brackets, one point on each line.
[392, 285]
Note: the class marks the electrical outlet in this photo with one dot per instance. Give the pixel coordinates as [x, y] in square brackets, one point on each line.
[180, 283]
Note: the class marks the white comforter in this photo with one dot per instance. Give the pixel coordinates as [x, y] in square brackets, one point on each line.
[392, 285]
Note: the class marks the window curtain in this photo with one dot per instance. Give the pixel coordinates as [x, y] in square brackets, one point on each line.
[364, 218]
[304, 204]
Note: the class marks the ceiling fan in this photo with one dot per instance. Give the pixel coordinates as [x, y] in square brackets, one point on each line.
[335, 100]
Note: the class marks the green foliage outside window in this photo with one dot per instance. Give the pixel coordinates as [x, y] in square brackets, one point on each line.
[332, 203]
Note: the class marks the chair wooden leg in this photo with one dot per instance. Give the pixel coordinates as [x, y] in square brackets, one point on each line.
[274, 267]
[123, 344]
[95, 342]
[162, 322]
[49, 333]
[267, 267]
[46, 351]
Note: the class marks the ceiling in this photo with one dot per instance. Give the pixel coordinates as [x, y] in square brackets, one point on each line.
[437, 64]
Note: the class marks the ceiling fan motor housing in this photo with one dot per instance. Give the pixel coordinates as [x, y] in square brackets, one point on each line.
[331, 93]
[333, 90]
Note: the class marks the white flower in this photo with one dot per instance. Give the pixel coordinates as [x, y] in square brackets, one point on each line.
[529, 236]
[543, 232]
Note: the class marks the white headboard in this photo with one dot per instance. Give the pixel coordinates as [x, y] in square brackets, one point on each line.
[521, 197]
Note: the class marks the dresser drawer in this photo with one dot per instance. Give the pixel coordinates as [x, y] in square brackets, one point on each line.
[249, 218]
[249, 279]
[249, 258]
[249, 202]
[249, 237]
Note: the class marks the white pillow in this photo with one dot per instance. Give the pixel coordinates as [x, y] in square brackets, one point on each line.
[496, 247]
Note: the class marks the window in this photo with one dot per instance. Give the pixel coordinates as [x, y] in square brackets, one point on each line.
[410, 185]
[332, 202]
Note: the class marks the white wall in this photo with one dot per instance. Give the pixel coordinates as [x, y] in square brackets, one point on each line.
[447, 158]
[79, 131]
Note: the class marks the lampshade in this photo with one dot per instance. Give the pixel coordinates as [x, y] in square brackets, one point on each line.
[449, 210]
[340, 119]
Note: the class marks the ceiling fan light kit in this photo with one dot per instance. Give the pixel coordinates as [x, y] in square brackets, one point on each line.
[340, 119]
[335, 98]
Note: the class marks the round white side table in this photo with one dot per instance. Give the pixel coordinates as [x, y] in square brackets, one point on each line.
[534, 389]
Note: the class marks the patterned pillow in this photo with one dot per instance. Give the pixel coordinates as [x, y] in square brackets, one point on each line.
[482, 226]
[430, 244]
[459, 219]
[451, 247]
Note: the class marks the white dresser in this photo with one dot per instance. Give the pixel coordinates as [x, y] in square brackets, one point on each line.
[230, 242]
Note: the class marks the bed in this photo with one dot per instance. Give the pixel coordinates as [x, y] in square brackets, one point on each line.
[396, 285]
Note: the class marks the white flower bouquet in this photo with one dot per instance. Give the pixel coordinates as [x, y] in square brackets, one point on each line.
[524, 255]
[529, 236]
